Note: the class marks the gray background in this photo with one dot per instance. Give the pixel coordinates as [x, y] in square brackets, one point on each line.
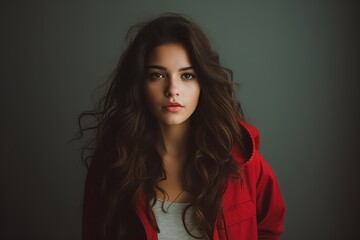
[297, 63]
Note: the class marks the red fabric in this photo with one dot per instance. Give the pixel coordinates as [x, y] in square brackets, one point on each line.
[253, 208]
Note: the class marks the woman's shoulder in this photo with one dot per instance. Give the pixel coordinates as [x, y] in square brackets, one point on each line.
[250, 158]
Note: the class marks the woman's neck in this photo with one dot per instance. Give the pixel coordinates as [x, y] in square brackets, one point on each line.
[173, 147]
[173, 141]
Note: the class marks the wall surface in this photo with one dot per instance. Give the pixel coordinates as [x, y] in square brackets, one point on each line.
[297, 65]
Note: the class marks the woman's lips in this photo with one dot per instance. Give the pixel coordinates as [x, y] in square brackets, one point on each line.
[173, 106]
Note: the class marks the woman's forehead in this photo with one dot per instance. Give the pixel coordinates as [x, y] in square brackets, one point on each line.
[169, 56]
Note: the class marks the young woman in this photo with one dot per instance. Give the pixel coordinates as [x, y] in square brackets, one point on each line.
[173, 156]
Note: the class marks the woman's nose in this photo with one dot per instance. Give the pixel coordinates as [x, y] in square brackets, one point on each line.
[172, 88]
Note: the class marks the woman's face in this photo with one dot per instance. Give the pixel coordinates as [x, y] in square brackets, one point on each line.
[171, 87]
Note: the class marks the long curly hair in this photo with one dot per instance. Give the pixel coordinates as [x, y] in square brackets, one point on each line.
[123, 162]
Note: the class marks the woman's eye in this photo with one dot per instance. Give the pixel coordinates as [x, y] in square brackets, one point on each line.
[156, 75]
[188, 76]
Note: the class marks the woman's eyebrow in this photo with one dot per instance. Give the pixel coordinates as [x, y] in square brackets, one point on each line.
[164, 68]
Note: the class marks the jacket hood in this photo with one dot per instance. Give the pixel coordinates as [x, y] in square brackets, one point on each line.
[251, 140]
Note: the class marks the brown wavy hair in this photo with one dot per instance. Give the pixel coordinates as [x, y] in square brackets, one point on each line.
[123, 163]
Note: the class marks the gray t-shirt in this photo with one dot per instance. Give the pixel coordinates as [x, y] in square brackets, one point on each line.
[170, 222]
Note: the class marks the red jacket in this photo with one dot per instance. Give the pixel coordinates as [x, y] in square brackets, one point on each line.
[253, 208]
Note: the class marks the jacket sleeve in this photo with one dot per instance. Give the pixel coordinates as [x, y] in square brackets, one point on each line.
[270, 205]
